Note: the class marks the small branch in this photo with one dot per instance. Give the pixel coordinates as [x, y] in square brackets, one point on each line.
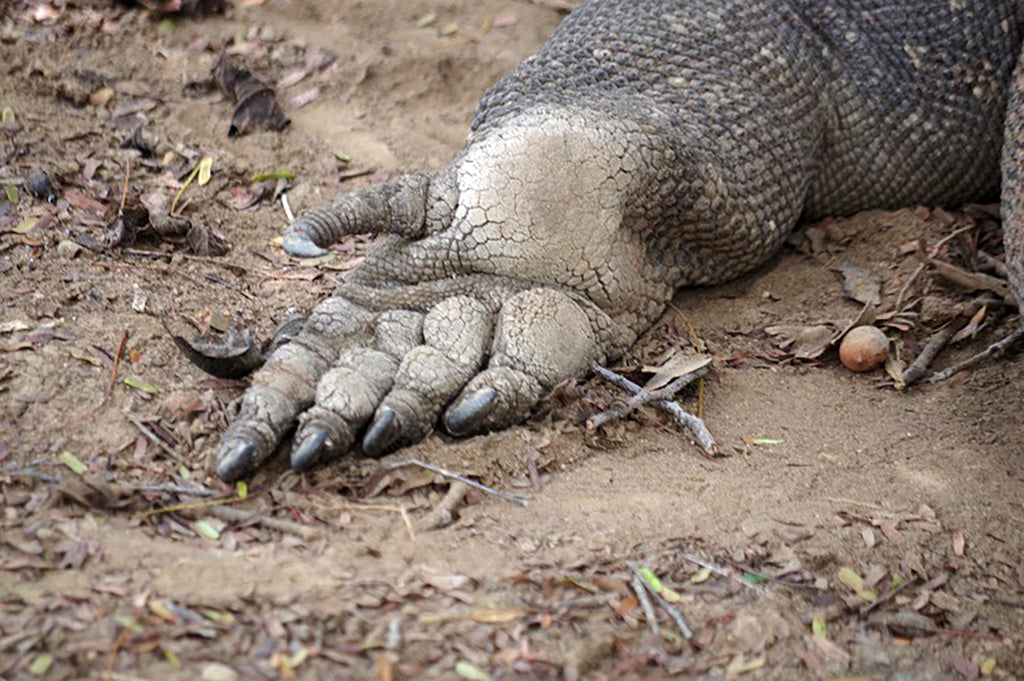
[287, 208]
[231, 514]
[676, 616]
[694, 424]
[394, 465]
[179, 489]
[994, 350]
[117, 361]
[443, 514]
[725, 573]
[971, 280]
[645, 602]
[124, 187]
[151, 436]
[932, 348]
[643, 396]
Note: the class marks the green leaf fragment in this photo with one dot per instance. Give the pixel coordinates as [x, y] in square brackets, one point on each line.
[754, 578]
[818, 626]
[128, 622]
[701, 575]
[766, 441]
[72, 462]
[242, 489]
[11, 192]
[298, 658]
[207, 530]
[139, 384]
[342, 158]
[7, 115]
[171, 657]
[274, 175]
[651, 579]
[26, 225]
[165, 27]
[41, 664]
[856, 583]
[468, 671]
[205, 171]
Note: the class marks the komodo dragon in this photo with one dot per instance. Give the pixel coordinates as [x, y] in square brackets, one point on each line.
[649, 145]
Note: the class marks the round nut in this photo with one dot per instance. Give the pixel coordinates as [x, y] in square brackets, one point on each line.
[863, 349]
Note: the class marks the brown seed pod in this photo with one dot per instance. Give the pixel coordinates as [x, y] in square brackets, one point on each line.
[863, 349]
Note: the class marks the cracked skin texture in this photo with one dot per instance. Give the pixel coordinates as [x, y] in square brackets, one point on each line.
[646, 147]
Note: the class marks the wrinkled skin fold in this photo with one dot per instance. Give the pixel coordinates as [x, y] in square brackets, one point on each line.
[648, 146]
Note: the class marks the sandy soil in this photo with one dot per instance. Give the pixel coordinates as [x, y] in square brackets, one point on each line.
[825, 473]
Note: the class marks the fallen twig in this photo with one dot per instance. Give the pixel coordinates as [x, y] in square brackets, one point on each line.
[151, 436]
[238, 515]
[394, 465]
[645, 602]
[931, 350]
[442, 514]
[180, 489]
[694, 424]
[971, 280]
[994, 350]
[644, 396]
[117, 362]
[725, 573]
[672, 611]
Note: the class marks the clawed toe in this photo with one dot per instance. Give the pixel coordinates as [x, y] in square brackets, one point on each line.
[301, 246]
[235, 460]
[382, 433]
[309, 452]
[469, 414]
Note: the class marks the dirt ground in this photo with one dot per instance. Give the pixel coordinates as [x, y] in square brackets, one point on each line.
[853, 530]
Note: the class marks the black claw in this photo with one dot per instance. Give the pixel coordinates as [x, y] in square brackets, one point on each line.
[310, 450]
[382, 433]
[235, 460]
[301, 246]
[465, 417]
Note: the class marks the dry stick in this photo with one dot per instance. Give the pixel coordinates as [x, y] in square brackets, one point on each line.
[117, 362]
[441, 515]
[725, 573]
[972, 280]
[997, 266]
[394, 465]
[994, 350]
[645, 602]
[124, 187]
[231, 514]
[898, 306]
[179, 489]
[693, 423]
[674, 613]
[645, 396]
[151, 436]
[931, 349]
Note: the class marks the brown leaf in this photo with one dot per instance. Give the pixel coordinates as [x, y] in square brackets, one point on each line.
[958, 543]
[803, 342]
[860, 283]
[256, 106]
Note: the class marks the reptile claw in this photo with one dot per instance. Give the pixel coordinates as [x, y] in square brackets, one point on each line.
[235, 460]
[310, 450]
[463, 418]
[301, 246]
[382, 433]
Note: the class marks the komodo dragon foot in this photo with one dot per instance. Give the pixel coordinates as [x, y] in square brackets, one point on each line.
[506, 273]
[647, 146]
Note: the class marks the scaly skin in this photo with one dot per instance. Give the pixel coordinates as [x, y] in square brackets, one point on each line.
[648, 146]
